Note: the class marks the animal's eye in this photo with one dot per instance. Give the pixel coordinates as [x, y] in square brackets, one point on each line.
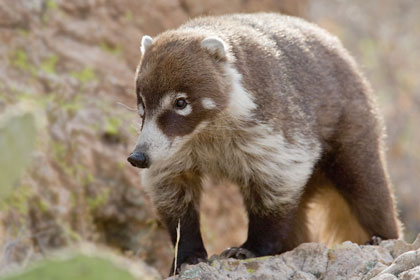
[180, 103]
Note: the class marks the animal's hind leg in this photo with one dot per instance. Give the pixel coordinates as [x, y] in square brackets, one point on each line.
[358, 170]
[330, 218]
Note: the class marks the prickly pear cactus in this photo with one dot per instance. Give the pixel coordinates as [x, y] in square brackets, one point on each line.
[17, 141]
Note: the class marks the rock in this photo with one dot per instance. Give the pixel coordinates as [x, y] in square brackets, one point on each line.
[310, 257]
[303, 276]
[403, 263]
[399, 247]
[385, 276]
[350, 258]
[411, 274]
[316, 261]
[377, 268]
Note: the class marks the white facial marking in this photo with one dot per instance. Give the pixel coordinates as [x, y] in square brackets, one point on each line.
[140, 110]
[151, 136]
[181, 94]
[167, 101]
[184, 112]
[215, 45]
[208, 103]
[241, 102]
[137, 72]
[159, 145]
[146, 42]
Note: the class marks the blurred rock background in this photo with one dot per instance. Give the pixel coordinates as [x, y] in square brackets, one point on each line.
[67, 69]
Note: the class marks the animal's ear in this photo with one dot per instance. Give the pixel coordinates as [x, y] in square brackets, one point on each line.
[146, 42]
[215, 46]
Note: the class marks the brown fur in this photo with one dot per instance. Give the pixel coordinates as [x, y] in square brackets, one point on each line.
[310, 138]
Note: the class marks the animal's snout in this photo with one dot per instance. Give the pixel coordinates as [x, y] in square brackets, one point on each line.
[140, 160]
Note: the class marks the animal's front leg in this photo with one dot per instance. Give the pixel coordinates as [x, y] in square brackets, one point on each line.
[178, 200]
[190, 247]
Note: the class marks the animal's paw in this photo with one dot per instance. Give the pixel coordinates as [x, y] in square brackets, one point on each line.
[375, 240]
[237, 253]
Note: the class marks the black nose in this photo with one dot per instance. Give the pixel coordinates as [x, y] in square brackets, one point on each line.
[139, 160]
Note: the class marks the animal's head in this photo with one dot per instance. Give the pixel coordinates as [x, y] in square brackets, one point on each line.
[181, 86]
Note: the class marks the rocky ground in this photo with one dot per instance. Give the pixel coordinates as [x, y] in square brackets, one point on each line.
[392, 259]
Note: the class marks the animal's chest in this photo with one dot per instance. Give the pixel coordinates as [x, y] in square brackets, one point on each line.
[225, 159]
[259, 156]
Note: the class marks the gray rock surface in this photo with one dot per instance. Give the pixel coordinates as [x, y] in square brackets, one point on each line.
[392, 259]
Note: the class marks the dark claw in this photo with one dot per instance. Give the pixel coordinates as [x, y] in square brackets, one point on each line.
[375, 240]
[237, 253]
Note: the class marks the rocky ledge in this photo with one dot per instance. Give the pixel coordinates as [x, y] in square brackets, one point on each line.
[392, 259]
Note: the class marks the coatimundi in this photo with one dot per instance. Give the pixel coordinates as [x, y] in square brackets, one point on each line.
[275, 105]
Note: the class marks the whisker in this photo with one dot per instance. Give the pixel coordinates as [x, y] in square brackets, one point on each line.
[126, 106]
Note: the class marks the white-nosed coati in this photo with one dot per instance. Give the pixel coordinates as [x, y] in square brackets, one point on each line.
[275, 105]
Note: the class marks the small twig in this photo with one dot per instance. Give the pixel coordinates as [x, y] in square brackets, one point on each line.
[178, 234]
